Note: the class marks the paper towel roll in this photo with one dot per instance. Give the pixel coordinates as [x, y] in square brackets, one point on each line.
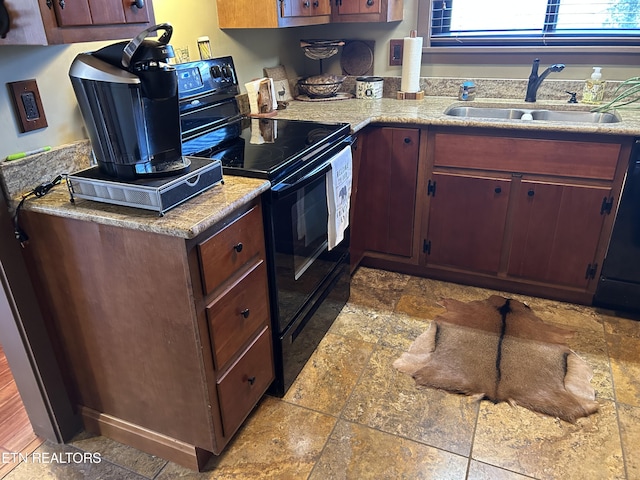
[411, 63]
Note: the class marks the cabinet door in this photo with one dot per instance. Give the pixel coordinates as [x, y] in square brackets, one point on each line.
[305, 8]
[467, 217]
[99, 12]
[387, 191]
[556, 229]
[351, 7]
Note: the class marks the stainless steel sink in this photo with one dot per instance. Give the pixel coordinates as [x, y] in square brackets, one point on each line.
[573, 116]
[532, 115]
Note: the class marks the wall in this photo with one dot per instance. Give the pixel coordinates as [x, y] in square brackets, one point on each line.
[252, 50]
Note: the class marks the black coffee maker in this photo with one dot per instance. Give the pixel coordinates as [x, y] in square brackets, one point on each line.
[128, 97]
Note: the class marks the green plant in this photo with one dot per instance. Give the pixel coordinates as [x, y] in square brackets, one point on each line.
[624, 97]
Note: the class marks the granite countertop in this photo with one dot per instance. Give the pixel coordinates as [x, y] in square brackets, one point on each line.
[196, 215]
[430, 111]
[186, 220]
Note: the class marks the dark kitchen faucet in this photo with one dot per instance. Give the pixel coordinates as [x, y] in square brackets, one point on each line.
[535, 80]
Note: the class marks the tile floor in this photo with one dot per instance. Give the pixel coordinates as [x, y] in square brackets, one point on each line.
[351, 415]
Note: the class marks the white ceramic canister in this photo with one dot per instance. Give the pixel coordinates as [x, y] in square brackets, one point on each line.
[369, 87]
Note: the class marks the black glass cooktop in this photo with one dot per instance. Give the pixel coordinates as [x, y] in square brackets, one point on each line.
[265, 147]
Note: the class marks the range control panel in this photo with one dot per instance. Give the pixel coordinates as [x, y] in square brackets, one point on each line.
[215, 75]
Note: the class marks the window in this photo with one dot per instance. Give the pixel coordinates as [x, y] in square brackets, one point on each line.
[530, 22]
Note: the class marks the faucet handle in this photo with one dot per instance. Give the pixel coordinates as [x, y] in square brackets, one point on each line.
[573, 97]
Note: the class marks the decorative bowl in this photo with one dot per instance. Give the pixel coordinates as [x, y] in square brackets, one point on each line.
[321, 86]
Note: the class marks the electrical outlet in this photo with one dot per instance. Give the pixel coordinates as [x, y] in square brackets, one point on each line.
[28, 105]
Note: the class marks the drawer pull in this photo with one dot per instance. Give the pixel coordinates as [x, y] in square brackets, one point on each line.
[498, 190]
[238, 247]
[245, 313]
[531, 193]
[251, 380]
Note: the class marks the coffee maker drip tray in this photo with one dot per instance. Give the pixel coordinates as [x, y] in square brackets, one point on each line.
[160, 194]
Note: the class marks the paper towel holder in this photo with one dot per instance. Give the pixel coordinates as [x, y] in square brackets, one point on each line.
[419, 95]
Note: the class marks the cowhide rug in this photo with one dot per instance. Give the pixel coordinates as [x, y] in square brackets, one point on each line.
[500, 350]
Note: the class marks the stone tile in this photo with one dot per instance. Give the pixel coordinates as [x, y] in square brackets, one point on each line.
[624, 353]
[370, 278]
[328, 378]
[629, 418]
[401, 330]
[482, 471]
[621, 326]
[279, 440]
[591, 346]
[123, 455]
[390, 401]
[377, 289]
[53, 461]
[360, 323]
[358, 452]
[516, 439]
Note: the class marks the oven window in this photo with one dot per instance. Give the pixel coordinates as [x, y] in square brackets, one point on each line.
[309, 223]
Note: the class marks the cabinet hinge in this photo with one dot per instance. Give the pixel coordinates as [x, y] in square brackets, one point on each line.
[607, 204]
[591, 271]
[426, 246]
[431, 188]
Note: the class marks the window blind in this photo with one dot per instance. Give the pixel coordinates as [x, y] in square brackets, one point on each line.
[538, 22]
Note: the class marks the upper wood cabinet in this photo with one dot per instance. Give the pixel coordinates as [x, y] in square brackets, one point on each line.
[293, 13]
[367, 10]
[272, 13]
[48, 22]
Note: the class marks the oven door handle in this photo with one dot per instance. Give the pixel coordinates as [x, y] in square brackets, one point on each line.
[283, 188]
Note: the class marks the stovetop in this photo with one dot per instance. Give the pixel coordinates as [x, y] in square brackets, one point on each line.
[265, 147]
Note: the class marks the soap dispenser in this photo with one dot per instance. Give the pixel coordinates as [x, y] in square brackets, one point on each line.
[593, 87]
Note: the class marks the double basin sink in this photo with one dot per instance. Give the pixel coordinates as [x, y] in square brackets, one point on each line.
[525, 115]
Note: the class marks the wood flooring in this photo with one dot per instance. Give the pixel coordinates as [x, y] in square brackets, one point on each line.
[16, 434]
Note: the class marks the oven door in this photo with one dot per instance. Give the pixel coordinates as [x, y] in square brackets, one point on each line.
[298, 220]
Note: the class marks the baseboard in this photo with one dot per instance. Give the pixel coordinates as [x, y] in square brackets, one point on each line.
[153, 443]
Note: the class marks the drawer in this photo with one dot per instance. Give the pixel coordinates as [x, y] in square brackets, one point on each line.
[246, 381]
[230, 248]
[236, 315]
[522, 155]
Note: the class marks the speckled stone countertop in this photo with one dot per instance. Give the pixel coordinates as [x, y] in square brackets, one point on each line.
[197, 214]
[185, 221]
[430, 111]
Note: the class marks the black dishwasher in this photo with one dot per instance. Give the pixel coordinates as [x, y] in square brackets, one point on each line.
[619, 284]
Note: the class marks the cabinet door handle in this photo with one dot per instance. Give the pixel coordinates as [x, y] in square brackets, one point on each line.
[316, 4]
[306, 4]
[238, 247]
[137, 3]
[407, 140]
[531, 193]
[251, 380]
[245, 313]
[369, 3]
[498, 190]
[62, 4]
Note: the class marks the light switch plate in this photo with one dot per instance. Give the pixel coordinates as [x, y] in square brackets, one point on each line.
[28, 105]
[395, 51]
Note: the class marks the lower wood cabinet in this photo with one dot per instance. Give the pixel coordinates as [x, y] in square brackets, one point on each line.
[385, 207]
[556, 231]
[467, 220]
[165, 343]
[522, 211]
